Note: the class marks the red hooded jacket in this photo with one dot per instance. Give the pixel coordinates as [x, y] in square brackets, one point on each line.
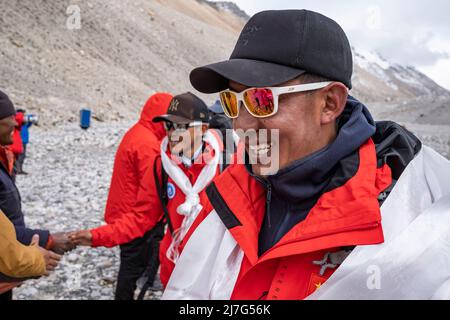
[130, 193]
[17, 146]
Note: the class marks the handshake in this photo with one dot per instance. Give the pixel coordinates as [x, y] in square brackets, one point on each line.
[63, 242]
[80, 238]
[59, 244]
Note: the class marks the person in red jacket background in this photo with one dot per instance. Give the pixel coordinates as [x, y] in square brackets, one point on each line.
[189, 166]
[190, 159]
[128, 196]
[17, 146]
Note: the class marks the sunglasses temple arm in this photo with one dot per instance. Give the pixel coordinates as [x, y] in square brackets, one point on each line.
[300, 88]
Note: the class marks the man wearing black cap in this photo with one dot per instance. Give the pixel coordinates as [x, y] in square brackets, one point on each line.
[10, 203]
[190, 159]
[186, 113]
[10, 199]
[7, 120]
[280, 234]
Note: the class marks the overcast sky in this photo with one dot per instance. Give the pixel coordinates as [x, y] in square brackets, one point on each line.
[413, 32]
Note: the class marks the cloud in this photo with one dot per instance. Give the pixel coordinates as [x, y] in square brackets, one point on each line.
[435, 72]
[412, 32]
[401, 47]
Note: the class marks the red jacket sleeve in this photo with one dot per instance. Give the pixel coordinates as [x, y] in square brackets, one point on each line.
[144, 215]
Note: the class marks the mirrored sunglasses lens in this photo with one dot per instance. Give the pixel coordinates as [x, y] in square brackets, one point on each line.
[229, 104]
[168, 125]
[260, 101]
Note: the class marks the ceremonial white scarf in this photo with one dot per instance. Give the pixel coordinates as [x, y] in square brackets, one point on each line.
[412, 263]
[191, 207]
[414, 260]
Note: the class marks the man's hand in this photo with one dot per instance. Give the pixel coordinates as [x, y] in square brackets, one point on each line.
[51, 259]
[61, 243]
[4, 287]
[81, 238]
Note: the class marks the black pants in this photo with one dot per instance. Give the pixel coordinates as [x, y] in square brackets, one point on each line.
[20, 159]
[6, 296]
[137, 257]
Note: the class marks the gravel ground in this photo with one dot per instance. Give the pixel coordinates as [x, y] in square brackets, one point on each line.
[434, 136]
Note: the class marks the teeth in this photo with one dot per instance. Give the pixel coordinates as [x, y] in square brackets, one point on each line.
[261, 149]
[261, 146]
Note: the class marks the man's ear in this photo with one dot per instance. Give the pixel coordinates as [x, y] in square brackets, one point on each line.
[335, 98]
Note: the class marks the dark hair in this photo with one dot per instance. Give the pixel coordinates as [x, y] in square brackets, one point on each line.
[21, 110]
[311, 78]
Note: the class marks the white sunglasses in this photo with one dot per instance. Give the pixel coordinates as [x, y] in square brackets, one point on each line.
[261, 102]
[168, 125]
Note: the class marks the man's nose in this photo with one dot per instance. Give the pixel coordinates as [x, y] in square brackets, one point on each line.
[246, 121]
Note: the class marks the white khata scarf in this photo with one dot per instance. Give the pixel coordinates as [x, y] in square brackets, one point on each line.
[191, 207]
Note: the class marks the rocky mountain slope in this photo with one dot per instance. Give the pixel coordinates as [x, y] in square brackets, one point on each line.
[126, 50]
[376, 79]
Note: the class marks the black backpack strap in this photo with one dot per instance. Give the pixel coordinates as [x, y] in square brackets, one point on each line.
[225, 161]
[153, 239]
[228, 150]
[161, 188]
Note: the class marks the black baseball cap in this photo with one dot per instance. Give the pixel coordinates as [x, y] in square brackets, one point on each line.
[185, 108]
[6, 106]
[277, 46]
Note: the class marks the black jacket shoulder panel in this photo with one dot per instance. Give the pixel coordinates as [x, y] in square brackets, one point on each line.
[396, 146]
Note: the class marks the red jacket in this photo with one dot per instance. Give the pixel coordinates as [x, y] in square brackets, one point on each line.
[17, 146]
[348, 215]
[7, 158]
[130, 210]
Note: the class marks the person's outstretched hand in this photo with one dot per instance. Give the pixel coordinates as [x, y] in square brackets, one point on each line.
[62, 243]
[51, 259]
[81, 238]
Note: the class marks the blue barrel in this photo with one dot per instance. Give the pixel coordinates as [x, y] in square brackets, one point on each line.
[85, 118]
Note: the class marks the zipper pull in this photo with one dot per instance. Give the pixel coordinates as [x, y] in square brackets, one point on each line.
[265, 293]
[268, 200]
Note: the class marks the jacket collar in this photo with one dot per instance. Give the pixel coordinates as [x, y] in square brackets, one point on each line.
[345, 216]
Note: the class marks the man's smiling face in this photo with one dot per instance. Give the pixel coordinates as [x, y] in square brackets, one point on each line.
[186, 142]
[305, 123]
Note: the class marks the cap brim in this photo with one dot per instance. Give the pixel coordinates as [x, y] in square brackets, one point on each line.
[172, 118]
[252, 73]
